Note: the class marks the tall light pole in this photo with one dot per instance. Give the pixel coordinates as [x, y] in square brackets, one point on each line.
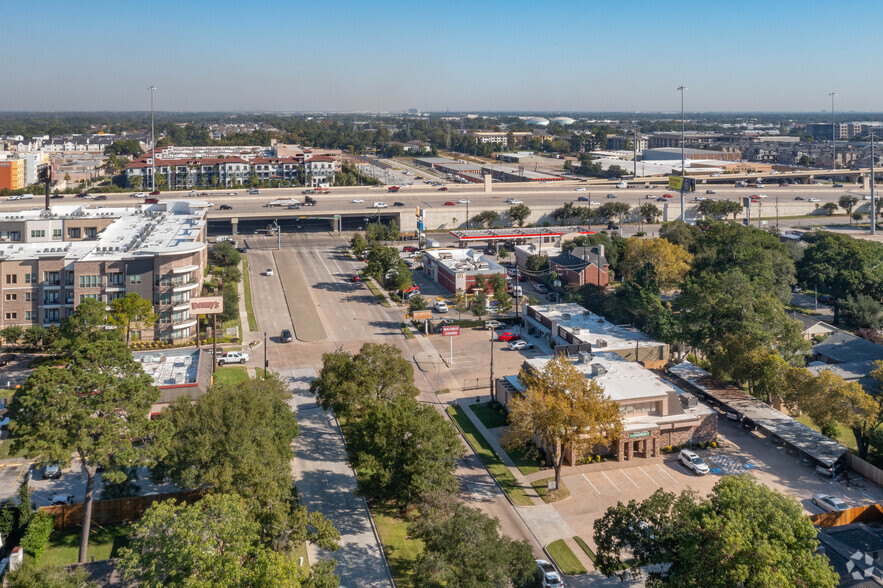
[833, 135]
[873, 193]
[152, 89]
[635, 150]
[683, 158]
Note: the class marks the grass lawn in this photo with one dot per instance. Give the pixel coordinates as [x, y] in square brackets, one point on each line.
[542, 488]
[246, 285]
[565, 558]
[6, 392]
[488, 416]
[230, 375]
[526, 460]
[494, 464]
[401, 552]
[104, 543]
[588, 550]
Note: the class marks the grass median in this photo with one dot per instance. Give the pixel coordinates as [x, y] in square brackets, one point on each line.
[246, 285]
[401, 551]
[565, 558]
[380, 296]
[494, 464]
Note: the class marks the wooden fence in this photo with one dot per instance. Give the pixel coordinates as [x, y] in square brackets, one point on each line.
[116, 510]
[863, 468]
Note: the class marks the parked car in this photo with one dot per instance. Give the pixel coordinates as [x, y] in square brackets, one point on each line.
[232, 357]
[409, 249]
[269, 272]
[549, 576]
[829, 503]
[52, 471]
[693, 462]
[62, 499]
[612, 227]
[519, 345]
[826, 299]
[540, 287]
[225, 207]
[507, 336]
[441, 306]
[355, 278]
[835, 469]
[492, 324]
[286, 336]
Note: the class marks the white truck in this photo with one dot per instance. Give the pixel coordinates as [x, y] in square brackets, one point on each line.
[622, 184]
[232, 357]
[432, 243]
[282, 202]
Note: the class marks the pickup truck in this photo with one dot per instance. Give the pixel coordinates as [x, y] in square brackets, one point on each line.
[232, 357]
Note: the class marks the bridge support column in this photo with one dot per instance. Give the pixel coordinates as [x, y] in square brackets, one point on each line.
[866, 184]
[235, 223]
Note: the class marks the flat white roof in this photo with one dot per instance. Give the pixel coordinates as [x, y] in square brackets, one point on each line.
[464, 260]
[588, 327]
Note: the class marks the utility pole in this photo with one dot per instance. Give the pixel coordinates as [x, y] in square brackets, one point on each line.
[833, 136]
[152, 89]
[493, 396]
[265, 355]
[635, 151]
[683, 158]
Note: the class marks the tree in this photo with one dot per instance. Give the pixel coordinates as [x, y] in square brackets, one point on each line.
[12, 334]
[463, 547]
[87, 324]
[478, 306]
[213, 542]
[750, 362]
[680, 233]
[610, 210]
[403, 449]
[359, 244]
[417, 302]
[348, 383]
[862, 311]
[237, 438]
[649, 212]
[563, 409]
[503, 300]
[97, 407]
[34, 335]
[381, 260]
[848, 202]
[224, 253]
[498, 283]
[480, 283]
[537, 263]
[519, 213]
[671, 261]
[486, 218]
[132, 309]
[830, 208]
[743, 534]
[857, 216]
[458, 300]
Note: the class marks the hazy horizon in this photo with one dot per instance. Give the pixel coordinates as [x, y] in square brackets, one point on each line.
[518, 57]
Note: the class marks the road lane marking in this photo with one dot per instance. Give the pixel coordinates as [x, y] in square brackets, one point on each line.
[665, 473]
[629, 479]
[648, 476]
[592, 485]
[611, 481]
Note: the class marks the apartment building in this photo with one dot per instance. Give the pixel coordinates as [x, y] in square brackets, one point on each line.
[12, 174]
[50, 261]
[320, 170]
[498, 137]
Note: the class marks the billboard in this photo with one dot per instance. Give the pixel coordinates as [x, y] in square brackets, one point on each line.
[681, 184]
[207, 305]
[451, 330]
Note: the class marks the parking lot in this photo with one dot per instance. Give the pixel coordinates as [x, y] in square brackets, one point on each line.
[593, 490]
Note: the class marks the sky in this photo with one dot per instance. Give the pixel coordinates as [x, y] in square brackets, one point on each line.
[341, 55]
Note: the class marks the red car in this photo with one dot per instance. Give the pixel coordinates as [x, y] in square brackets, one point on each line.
[409, 249]
[356, 278]
[507, 336]
[450, 204]
[155, 193]
[443, 189]
[667, 196]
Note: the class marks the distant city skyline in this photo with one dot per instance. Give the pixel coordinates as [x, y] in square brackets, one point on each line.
[344, 56]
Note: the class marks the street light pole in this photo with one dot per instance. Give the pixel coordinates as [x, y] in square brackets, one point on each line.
[833, 135]
[873, 193]
[683, 158]
[635, 151]
[152, 89]
[492, 364]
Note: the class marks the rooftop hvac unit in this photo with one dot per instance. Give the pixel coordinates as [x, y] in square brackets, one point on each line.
[601, 343]
[587, 313]
[598, 370]
[576, 330]
[565, 316]
[584, 356]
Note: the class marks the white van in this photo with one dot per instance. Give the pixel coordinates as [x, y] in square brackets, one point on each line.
[27, 197]
[516, 291]
[622, 184]
[380, 205]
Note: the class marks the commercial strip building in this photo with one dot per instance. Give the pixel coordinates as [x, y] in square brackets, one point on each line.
[456, 269]
[177, 373]
[512, 236]
[50, 261]
[654, 413]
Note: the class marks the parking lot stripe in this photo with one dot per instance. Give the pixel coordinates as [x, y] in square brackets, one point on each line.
[665, 473]
[627, 476]
[611, 481]
[590, 484]
[649, 477]
[24, 467]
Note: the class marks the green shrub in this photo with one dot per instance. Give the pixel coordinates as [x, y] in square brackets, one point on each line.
[37, 534]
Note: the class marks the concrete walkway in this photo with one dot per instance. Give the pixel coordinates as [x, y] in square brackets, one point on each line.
[326, 483]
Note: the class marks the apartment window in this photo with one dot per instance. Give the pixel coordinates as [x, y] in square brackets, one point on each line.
[14, 236]
[50, 298]
[91, 232]
[11, 297]
[92, 296]
[12, 278]
[118, 279]
[69, 278]
[114, 295]
[11, 316]
[27, 296]
[90, 281]
[28, 315]
[38, 233]
[73, 233]
[52, 278]
[56, 233]
[52, 316]
[135, 279]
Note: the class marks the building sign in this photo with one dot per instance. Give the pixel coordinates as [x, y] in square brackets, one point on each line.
[421, 315]
[207, 305]
[639, 434]
[451, 330]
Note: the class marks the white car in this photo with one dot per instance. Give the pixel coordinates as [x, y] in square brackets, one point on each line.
[593, 203]
[761, 195]
[14, 197]
[699, 198]
[269, 272]
[513, 201]
[492, 324]
[579, 189]
[866, 197]
[138, 195]
[357, 201]
[829, 503]
[549, 575]
[693, 462]
[814, 200]
[380, 205]
[519, 345]
[441, 306]
[462, 201]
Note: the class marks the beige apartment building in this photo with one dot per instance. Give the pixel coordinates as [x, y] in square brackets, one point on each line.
[50, 261]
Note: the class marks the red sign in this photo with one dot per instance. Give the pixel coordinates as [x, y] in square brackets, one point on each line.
[451, 330]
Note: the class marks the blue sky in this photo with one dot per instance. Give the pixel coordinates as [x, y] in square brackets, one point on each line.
[482, 55]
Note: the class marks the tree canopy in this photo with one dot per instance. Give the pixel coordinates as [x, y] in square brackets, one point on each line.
[131, 309]
[671, 261]
[743, 534]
